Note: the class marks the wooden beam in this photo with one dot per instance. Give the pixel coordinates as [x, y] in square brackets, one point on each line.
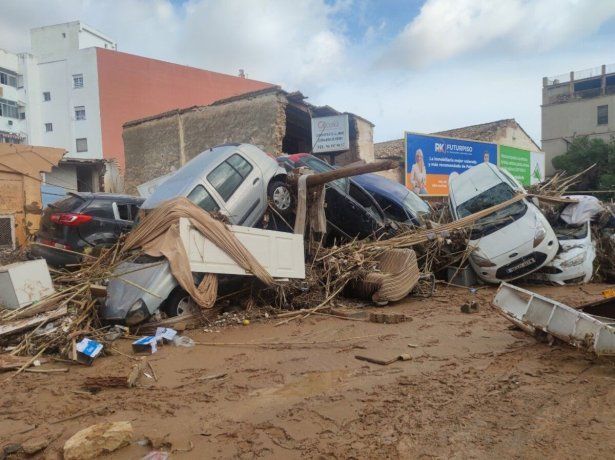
[317, 179]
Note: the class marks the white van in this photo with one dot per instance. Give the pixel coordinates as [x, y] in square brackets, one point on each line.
[511, 242]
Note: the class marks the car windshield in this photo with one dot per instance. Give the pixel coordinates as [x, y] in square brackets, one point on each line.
[415, 204]
[491, 197]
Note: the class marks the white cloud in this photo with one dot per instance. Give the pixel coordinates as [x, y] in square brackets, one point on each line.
[491, 54]
[296, 44]
[445, 29]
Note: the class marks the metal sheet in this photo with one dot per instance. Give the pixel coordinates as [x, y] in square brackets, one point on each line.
[280, 253]
[535, 312]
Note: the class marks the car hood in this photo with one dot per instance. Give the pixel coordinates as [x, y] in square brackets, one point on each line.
[517, 236]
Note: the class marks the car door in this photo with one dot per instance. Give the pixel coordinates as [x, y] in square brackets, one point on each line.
[103, 228]
[238, 183]
[123, 217]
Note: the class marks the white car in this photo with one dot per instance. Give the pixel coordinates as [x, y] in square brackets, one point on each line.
[511, 242]
[574, 263]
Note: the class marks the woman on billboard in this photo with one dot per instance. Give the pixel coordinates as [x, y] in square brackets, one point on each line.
[418, 174]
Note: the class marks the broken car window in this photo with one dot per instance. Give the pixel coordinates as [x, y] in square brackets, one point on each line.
[202, 199]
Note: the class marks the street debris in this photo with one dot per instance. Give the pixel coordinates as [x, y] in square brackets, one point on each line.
[540, 316]
[23, 283]
[97, 440]
[88, 350]
[388, 318]
[384, 362]
[182, 266]
[469, 307]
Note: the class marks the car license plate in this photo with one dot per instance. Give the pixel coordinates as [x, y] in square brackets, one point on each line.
[523, 264]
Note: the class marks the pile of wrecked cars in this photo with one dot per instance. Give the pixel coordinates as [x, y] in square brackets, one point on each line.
[238, 182]
[519, 241]
[251, 191]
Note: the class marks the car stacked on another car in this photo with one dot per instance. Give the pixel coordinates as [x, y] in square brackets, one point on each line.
[511, 242]
[350, 210]
[236, 180]
[81, 221]
[398, 202]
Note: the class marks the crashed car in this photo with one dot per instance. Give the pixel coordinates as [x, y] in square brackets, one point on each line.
[511, 242]
[398, 202]
[351, 211]
[236, 180]
[80, 222]
[574, 262]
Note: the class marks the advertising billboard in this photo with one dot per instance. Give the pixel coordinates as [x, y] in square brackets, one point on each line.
[330, 134]
[526, 166]
[430, 160]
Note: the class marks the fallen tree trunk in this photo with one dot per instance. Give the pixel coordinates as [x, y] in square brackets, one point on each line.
[314, 180]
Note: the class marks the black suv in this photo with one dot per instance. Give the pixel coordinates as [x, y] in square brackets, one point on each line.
[82, 220]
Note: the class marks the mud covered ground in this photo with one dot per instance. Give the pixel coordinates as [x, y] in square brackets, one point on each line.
[474, 388]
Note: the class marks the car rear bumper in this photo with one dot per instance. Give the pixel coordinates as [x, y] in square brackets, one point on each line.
[53, 256]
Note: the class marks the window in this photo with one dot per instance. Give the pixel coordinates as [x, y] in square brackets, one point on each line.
[202, 199]
[391, 210]
[8, 109]
[46, 96]
[8, 79]
[78, 80]
[124, 211]
[228, 176]
[82, 145]
[80, 113]
[100, 208]
[603, 114]
[48, 127]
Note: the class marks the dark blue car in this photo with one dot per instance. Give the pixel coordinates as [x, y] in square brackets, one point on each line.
[397, 202]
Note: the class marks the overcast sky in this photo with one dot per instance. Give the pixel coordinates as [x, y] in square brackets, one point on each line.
[411, 65]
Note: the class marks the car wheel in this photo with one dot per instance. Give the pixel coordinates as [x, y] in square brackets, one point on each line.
[179, 303]
[280, 196]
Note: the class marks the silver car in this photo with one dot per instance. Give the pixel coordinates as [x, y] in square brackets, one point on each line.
[234, 179]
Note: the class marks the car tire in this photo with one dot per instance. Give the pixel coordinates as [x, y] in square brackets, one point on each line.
[280, 197]
[179, 303]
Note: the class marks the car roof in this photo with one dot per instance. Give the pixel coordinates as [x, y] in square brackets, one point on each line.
[377, 184]
[189, 175]
[107, 196]
[474, 181]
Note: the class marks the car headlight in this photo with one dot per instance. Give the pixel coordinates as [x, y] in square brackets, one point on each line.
[137, 313]
[539, 234]
[576, 260]
[481, 261]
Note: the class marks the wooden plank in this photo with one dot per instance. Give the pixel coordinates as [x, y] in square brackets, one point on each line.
[29, 323]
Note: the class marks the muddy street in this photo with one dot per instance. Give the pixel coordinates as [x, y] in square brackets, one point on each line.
[474, 387]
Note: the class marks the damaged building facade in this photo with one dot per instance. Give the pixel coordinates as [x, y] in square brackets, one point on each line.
[272, 119]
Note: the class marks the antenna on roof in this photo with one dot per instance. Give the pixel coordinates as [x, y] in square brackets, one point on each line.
[242, 74]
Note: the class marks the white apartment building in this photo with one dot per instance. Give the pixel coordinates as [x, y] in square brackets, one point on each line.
[74, 90]
[13, 125]
[62, 88]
